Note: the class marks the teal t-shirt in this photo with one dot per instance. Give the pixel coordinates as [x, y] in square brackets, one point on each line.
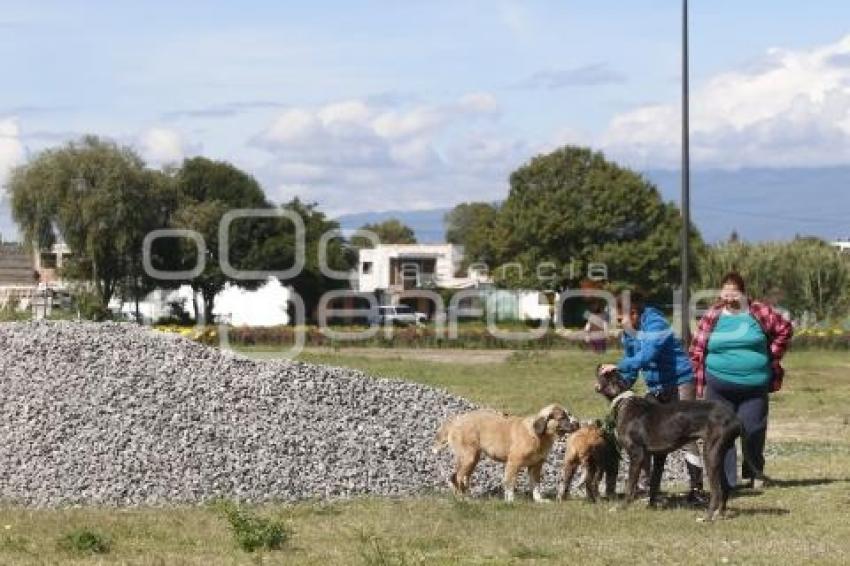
[737, 350]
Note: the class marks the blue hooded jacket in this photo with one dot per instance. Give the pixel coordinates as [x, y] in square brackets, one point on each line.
[656, 352]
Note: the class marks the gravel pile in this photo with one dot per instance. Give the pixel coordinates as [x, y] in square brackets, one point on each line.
[117, 414]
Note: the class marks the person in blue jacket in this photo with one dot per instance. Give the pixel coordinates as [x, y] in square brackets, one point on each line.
[652, 350]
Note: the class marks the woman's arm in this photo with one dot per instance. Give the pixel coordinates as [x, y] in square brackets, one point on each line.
[776, 327]
[782, 331]
[699, 346]
[779, 332]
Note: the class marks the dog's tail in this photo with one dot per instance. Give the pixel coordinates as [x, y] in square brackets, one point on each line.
[442, 438]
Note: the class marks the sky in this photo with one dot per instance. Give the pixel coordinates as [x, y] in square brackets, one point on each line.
[378, 105]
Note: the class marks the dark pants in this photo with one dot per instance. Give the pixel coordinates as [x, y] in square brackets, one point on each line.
[751, 406]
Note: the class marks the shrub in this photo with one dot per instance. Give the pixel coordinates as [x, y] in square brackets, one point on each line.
[84, 541]
[253, 532]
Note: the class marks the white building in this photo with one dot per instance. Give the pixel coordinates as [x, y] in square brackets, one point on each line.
[392, 269]
[842, 245]
[264, 306]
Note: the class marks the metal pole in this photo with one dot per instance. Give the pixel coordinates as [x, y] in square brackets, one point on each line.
[686, 204]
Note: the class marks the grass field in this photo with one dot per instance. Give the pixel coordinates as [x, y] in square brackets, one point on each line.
[805, 518]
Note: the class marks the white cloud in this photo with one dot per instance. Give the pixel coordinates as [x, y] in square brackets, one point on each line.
[483, 102]
[359, 155]
[792, 109]
[162, 146]
[11, 148]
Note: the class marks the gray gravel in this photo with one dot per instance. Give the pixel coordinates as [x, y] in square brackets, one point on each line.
[117, 414]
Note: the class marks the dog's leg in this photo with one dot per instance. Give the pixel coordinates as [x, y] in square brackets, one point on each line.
[612, 470]
[535, 473]
[714, 455]
[591, 481]
[637, 462]
[655, 478]
[466, 465]
[453, 477]
[569, 471]
[728, 442]
[511, 471]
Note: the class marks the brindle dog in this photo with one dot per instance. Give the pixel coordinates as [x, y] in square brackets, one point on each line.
[645, 428]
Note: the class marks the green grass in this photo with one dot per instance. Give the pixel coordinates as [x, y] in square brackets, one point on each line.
[522, 384]
[803, 519]
[84, 541]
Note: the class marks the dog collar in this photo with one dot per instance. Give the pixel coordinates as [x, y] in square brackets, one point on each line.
[620, 398]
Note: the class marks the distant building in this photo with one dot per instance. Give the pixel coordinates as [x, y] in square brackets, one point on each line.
[264, 306]
[28, 278]
[389, 270]
[842, 245]
[395, 272]
[48, 264]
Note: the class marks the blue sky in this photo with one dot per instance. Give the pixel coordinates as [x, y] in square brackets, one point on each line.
[389, 105]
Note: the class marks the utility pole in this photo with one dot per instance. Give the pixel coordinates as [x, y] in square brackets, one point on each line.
[686, 189]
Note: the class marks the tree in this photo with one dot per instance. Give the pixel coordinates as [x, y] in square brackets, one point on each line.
[277, 250]
[471, 224]
[153, 210]
[390, 231]
[573, 207]
[93, 194]
[209, 189]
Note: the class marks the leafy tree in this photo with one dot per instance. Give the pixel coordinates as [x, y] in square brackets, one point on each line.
[390, 231]
[277, 250]
[573, 206]
[208, 190]
[93, 194]
[471, 225]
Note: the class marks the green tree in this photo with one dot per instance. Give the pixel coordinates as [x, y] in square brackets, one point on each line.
[391, 231]
[278, 246]
[208, 189]
[573, 206]
[153, 210]
[93, 194]
[471, 225]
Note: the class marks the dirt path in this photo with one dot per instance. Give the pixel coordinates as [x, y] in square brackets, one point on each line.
[452, 356]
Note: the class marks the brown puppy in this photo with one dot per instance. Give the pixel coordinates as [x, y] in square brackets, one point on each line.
[590, 448]
[518, 442]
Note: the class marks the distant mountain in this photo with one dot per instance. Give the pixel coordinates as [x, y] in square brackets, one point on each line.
[428, 224]
[765, 204]
[760, 204]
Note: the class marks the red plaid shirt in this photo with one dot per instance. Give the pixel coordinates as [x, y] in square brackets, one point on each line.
[776, 327]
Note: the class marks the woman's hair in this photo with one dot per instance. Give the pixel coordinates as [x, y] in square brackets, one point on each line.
[734, 278]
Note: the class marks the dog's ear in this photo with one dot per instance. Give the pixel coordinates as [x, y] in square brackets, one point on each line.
[540, 425]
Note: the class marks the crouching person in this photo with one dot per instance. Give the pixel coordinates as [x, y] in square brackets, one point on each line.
[652, 350]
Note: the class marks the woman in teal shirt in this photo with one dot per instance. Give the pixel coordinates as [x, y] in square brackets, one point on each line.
[736, 355]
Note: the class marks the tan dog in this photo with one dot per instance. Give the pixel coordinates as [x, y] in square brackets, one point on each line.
[518, 442]
[589, 448]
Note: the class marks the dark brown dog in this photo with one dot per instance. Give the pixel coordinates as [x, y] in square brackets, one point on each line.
[590, 448]
[647, 428]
